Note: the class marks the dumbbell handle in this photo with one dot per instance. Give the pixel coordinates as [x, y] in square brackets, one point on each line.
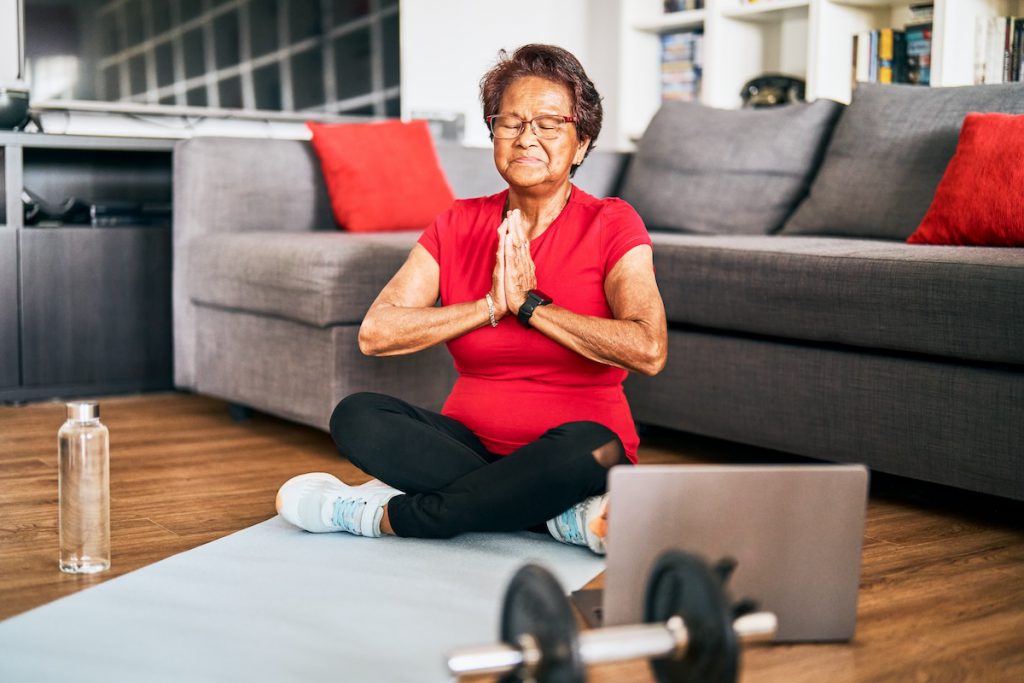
[609, 644]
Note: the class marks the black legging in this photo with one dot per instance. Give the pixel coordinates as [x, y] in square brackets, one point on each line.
[453, 485]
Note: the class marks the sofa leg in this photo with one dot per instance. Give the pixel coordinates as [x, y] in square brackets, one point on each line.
[239, 413]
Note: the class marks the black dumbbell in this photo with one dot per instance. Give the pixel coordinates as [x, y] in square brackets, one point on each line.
[691, 631]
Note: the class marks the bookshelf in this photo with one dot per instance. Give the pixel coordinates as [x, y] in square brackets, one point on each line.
[811, 39]
[671, 21]
[764, 10]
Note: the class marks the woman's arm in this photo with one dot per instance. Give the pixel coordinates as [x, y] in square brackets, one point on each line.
[636, 339]
[403, 318]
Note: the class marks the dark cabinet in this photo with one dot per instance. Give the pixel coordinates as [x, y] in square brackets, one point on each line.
[84, 310]
[96, 307]
[9, 351]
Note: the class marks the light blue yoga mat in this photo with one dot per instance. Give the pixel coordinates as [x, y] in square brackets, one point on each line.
[273, 603]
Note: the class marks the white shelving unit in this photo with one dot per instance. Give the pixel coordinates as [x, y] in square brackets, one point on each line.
[811, 39]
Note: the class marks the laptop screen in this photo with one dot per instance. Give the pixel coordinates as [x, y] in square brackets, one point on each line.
[795, 532]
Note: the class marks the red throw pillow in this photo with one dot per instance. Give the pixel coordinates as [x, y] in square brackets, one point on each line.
[979, 200]
[381, 176]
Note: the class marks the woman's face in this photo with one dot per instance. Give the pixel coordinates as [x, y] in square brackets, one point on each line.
[529, 161]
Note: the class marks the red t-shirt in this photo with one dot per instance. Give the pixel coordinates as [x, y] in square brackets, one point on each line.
[514, 382]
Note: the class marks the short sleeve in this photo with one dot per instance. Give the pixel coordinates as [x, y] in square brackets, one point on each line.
[622, 229]
[431, 237]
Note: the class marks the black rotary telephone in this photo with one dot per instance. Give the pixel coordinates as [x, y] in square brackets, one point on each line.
[772, 90]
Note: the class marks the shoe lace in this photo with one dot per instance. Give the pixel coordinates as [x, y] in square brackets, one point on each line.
[569, 527]
[348, 514]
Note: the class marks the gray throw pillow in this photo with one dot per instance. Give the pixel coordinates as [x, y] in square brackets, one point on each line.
[705, 170]
[887, 155]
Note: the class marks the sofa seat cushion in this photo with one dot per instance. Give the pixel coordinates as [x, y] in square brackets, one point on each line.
[961, 302]
[317, 278]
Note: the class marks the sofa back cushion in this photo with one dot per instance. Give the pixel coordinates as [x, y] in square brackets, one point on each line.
[705, 170]
[889, 151]
[472, 173]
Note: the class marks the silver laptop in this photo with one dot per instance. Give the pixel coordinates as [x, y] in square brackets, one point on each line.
[794, 530]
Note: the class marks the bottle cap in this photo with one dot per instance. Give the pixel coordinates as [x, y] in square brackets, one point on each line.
[83, 410]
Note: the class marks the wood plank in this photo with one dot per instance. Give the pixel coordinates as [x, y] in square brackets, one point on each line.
[29, 560]
[942, 586]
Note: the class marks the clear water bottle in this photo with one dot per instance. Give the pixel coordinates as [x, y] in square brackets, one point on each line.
[84, 486]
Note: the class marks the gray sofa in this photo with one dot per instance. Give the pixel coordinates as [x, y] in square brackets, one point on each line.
[825, 335]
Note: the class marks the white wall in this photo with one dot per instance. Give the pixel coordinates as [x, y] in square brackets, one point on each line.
[8, 41]
[447, 45]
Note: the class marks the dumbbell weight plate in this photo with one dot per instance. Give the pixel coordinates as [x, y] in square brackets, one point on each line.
[682, 584]
[536, 605]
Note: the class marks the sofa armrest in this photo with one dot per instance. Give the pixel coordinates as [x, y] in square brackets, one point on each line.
[237, 185]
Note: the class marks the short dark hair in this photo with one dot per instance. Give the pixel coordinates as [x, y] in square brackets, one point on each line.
[554, 64]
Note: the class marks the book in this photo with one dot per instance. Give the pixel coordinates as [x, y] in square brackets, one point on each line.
[862, 57]
[980, 50]
[922, 12]
[681, 5]
[873, 57]
[1008, 28]
[681, 65]
[1018, 49]
[900, 69]
[995, 53]
[999, 50]
[918, 54]
[854, 80]
[886, 55]
[891, 55]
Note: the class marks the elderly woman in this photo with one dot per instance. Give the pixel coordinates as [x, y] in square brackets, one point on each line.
[549, 298]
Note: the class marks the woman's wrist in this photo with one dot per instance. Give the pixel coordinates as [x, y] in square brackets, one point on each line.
[514, 304]
[492, 317]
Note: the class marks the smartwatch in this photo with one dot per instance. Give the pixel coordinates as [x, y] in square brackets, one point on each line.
[534, 298]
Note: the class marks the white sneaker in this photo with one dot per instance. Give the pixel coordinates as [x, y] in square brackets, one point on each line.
[319, 502]
[373, 484]
[576, 525]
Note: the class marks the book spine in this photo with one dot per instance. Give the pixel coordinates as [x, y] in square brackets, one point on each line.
[1014, 70]
[863, 72]
[885, 55]
[919, 53]
[980, 30]
[853, 63]
[1020, 48]
[873, 58]
[681, 68]
[994, 52]
[899, 51]
[1007, 31]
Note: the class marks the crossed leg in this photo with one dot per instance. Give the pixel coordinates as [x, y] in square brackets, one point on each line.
[453, 485]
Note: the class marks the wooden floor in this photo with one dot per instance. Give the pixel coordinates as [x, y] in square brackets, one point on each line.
[942, 592]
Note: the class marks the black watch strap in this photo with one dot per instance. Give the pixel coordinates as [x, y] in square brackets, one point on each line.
[534, 298]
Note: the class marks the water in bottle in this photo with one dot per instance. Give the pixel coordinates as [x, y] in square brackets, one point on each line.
[84, 490]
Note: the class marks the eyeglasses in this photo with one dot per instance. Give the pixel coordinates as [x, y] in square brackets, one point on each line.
[505, 127]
